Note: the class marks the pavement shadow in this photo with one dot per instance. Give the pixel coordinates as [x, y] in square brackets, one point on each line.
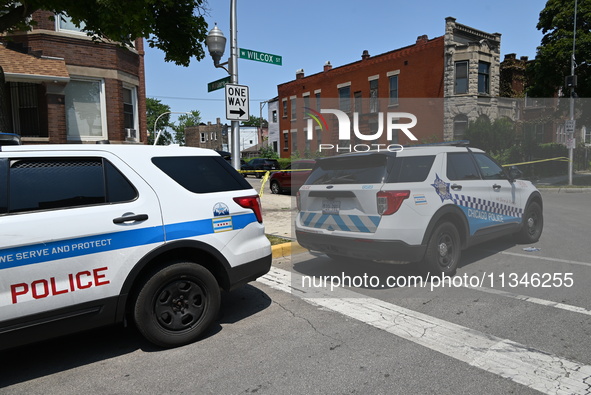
[60, 354]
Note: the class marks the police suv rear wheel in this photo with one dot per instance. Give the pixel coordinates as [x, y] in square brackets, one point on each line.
[443, 251]
[177, 304]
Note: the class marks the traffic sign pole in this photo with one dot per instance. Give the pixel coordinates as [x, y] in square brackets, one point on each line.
[235, 150]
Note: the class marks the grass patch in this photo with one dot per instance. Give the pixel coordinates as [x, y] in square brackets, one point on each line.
[277, 240]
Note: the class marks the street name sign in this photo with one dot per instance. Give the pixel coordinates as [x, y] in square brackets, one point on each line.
[219, 84]
[237, 102]
[260, 56]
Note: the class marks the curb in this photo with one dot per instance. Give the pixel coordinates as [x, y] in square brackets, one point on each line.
[287, 249]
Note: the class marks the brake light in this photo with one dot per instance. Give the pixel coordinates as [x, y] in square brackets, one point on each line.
[253, 203]
[390, 201]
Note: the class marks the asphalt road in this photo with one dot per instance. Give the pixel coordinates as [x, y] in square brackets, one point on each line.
[281, 335]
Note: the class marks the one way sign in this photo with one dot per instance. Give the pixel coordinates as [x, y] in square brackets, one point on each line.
[237, 102]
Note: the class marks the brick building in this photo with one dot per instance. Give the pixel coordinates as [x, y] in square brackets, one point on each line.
[212, 136]
[446, 81]
[61, 87]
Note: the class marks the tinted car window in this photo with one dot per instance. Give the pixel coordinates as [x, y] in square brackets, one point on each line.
[3, 186]
[489, 169]
[460, 166]
[411, 169]
[202, 174]
[363, 169]
[39, 184]
[119, 189]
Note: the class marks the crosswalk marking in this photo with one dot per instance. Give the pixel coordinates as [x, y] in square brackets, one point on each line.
[536, 369]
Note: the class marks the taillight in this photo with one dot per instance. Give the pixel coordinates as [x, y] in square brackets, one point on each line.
[298, 201]
[253, 203]
[389, 201]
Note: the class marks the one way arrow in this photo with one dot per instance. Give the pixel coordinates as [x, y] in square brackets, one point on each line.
[240, 112]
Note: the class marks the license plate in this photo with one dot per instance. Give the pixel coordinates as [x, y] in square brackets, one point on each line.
[331, 207]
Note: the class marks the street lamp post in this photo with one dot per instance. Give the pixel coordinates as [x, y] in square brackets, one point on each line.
[216, 43]
[160, 116]
[570, 137]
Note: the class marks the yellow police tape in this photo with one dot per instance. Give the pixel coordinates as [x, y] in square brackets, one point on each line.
[560, 159]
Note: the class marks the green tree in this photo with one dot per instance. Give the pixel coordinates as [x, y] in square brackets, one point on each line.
[154, 108]
[495, 137]
[177, 27]
[185, 120]
[546, 74]
[255, 121]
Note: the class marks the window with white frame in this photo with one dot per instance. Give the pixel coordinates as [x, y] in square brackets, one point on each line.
[284, 104]
[292, 103]
[130, 107]
[85, 109]
[344, 97]
[203, 138]
[373, 96]
[483, 77]
[393, 88]
[63, 23]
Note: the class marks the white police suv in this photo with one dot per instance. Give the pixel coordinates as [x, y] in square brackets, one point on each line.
[92, 235]
[422, 204]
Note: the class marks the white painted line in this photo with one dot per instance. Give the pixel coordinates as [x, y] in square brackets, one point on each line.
[536, 369]
[543, 302]
[544, 258]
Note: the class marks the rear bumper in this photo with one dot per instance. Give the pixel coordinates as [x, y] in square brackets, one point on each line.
[249, 271]
[387, 250]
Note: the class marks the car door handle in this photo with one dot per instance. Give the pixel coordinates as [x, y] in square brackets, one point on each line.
[129, 218]
[496, 187]
[456, 187]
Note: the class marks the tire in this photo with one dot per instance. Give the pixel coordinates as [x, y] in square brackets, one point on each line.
[443, 251]
[275, 188]
[533, 223]
[259, 175]
[176, 304]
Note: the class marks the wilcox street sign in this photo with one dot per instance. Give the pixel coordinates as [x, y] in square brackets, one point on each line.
[237, 102]
[219, 84]
[260, 56]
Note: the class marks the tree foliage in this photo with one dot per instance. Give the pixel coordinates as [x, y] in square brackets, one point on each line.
[184, 121]
[493, 137]
[547, 72]
[154, 108]
[255, 121]
[177, 27]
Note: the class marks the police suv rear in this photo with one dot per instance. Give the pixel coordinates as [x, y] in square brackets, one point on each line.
[92, 235]
[422, 204]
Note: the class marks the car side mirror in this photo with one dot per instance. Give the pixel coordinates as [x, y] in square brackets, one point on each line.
[515, 173]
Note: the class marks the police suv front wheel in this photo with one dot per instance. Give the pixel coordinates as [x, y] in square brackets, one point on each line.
[533, 223]
[176, 304]
[443, 251]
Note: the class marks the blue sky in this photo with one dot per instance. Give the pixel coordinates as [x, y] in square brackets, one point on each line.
[307, 33]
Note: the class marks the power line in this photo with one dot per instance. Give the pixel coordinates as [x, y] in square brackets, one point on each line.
[193, 98]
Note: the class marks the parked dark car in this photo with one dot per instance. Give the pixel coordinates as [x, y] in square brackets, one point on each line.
[291, 181]
[259, 164]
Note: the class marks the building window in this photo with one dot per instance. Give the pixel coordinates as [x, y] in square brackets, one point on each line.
[64, 23]
[25, 109]
[357, 102]
[373, 96]
[203, 138]
[85, 110]
[317, 95]
[285, 141]
[306, 105]
[292, 102]
[345, 98]
[294, 141]
[129, 108]
[393, 89]
[274, 116]
[318, 136]
[484, 77]
[460, 125]
[461, 77]
[284, 102]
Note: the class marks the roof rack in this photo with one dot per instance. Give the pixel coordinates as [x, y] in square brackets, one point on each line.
[456, 143]
[9, 139]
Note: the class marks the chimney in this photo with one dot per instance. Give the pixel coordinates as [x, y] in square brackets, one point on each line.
[299, 74]
[365, 55]
[524, 58]
[217, 121]
[327, 65]
[422, 39]
[510, 56]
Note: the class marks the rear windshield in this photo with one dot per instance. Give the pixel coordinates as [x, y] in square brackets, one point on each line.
[363, 169]
[202, 174]
[371, 169]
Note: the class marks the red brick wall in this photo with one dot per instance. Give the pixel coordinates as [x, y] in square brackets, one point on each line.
[421, 76]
